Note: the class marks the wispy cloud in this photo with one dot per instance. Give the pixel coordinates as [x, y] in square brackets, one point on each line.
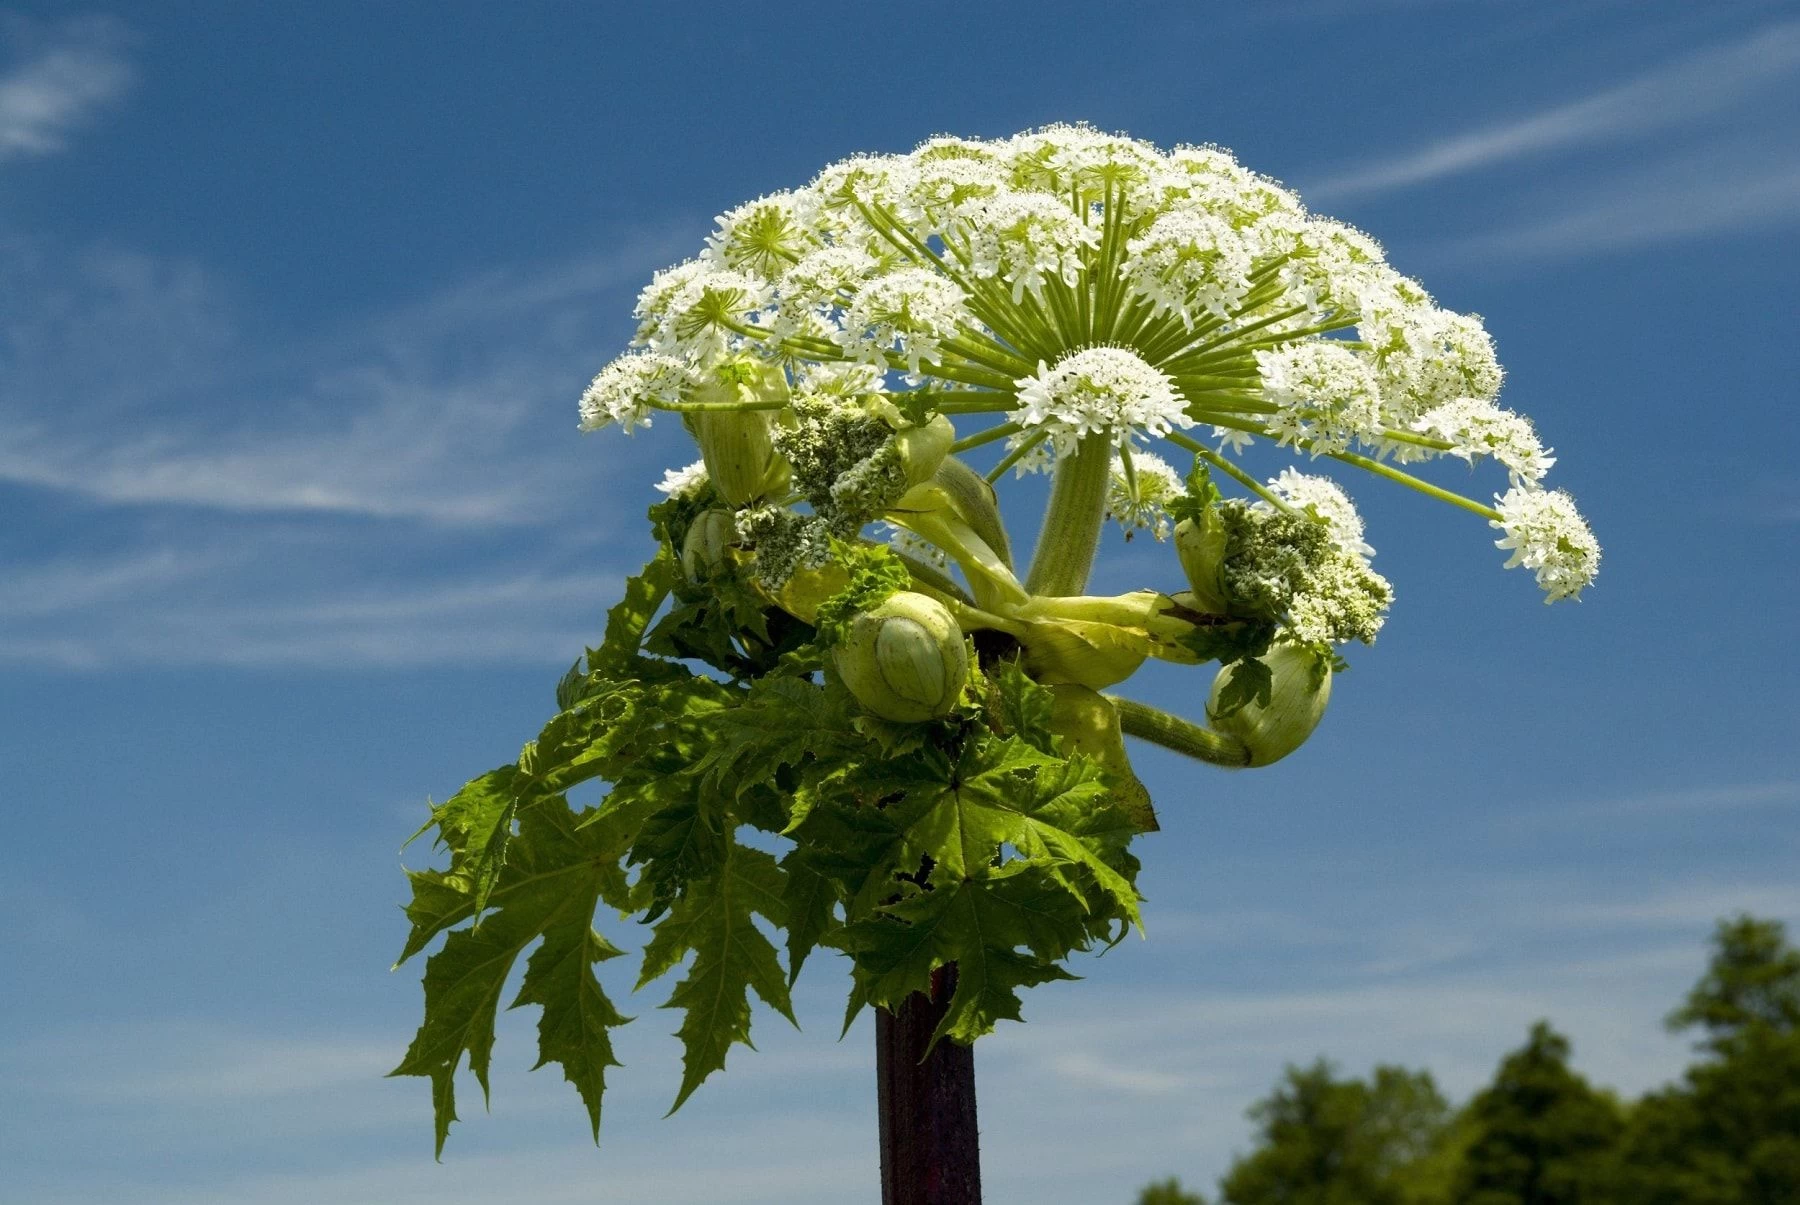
[225, 607]
[1684, 93]
[1736, 189]
[59, 86]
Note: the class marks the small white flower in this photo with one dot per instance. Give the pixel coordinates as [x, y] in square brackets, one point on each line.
[1099, 390]
[761, 237]
[1329, 501]
[1427, 356]
[1024, 238]
[684, 482]
[825, 278]
[1548, 536]
[1058, 158]
[624, 391]
[843, 382]
[1187, 263]
[1479, 428]
[1039, 458]
[1139, 499]
[1326, 395]
[690, 310]
[943, 183]
[912, 311]
[1232, 440]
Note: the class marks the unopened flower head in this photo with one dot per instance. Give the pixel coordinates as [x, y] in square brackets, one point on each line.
[1548, 536]
[1108, 391]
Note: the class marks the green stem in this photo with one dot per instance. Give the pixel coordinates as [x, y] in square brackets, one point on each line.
[1152, 724]
[1219, 462]
[984, 437]
[1013, 457]
[1071, 533]
[1407, 479]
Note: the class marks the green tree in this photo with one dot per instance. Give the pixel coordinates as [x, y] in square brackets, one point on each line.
[1542, 1134]
[1168, 1192]
[1729, 1133]
[1331, 1141]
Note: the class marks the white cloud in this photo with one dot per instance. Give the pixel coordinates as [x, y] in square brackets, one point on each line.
[60, 87]
[180, 608]
[1680, 94]
[1740, 188]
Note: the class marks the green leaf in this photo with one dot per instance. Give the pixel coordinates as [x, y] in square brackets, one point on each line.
[810, 900]
[967, 862]
[1251, 681]
[1201, 494]
[1024, 707]
[557, 874]
[630, 617]
[475, 825]
[876, 574]
[732, 958]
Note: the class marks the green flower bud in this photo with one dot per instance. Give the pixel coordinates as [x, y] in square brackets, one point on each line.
[1089, 725]
[905, 660]
[1300, 689]
[739, 445]
[1201, 545]
[923, 449]
[703, 548]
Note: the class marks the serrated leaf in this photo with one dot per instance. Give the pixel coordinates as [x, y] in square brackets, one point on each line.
[554, 878]
[810, 901]
[628, 619]
[1025, 708]
[732, 958]
[574, 1030]
[1251, 681]
[1008, 848]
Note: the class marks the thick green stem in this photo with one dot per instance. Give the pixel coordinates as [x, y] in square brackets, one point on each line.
[1071, 533]
[1152, 724]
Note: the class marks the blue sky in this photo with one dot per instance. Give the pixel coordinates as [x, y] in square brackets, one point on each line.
[297, 530]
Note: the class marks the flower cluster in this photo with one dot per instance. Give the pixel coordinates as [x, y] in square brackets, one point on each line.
[1107, 391]
[1548, 536]
[1076, 284]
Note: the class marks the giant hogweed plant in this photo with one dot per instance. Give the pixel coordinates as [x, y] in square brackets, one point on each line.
[835, 643]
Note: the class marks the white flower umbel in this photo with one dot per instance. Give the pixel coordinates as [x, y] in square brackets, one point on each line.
[910, 311]
[1024, 238]
[697, 311]
[626, 390]
[1139, 493]
[1189, 263]
[1327, 500]
[684, 482]
[1476, 428]
[1427, 356]
[1548, 536]
[1107, 391]
[1325, 395]
[1081, 289]
[763, 237]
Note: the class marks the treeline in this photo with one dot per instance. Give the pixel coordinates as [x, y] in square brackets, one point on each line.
[1727, 1133]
